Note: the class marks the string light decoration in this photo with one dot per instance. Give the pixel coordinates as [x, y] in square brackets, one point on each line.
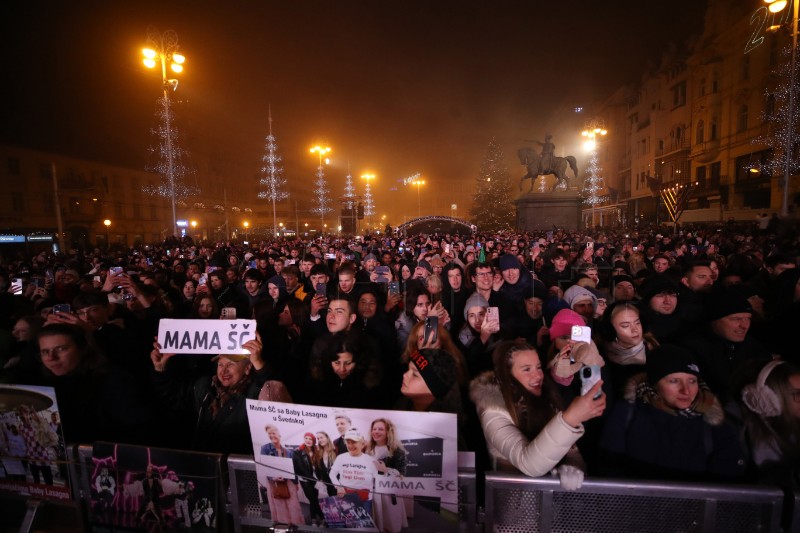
[369, 203]
[594, 182]
[272, 182]
[170, 157]
[492, 208]
[349, 197]
[322, 201]
[782, 119]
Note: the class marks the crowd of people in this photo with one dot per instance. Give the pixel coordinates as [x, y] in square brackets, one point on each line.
[650, 354]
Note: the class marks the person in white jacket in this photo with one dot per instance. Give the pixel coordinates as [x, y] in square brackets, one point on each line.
[520, 413]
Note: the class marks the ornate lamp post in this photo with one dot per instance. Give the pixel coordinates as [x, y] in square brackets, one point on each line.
[163, 49]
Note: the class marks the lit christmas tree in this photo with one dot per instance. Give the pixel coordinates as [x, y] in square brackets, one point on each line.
[272, 180]
[594, 182]
[170, 158]
[349, 191]
[491, 204]
[321, 199]
[369, 204]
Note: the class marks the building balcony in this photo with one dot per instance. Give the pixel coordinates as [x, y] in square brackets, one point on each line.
[705, 152]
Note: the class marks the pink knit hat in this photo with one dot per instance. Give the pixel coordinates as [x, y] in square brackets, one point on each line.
[563, 322]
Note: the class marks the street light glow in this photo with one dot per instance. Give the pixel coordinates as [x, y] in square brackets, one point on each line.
[149, 53]
[776, 6]
[176, 68]
[178, 58]
[149, 63]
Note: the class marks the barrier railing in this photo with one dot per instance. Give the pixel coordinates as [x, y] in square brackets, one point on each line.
[516, 503]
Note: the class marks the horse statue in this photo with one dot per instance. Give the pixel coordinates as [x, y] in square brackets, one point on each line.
[529, 158]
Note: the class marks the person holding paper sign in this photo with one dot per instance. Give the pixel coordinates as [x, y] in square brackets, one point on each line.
[220, 402]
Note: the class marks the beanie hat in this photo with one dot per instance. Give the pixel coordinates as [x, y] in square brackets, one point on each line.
[370, 256]
[539, 290]
[577, 294]
[437, 368]
[668, 359]
[656, 284]
[623, 265]
[563, 322]
[508, 261]
[621, 278]
[426, 265]
[551, 307]
[475, 300]
[727, 302]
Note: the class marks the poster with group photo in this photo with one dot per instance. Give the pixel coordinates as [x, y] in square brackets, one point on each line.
[137, 488]
[360, 469]
[33, 460]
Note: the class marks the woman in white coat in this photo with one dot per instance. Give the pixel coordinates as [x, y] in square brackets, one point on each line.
[522, 420]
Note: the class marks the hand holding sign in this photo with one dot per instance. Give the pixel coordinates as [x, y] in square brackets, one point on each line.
[254, 346]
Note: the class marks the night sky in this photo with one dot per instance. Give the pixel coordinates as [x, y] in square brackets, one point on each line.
[393, 87]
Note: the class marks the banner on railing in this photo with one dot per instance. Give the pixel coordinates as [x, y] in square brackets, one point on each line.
[137, 488]
[356, 468]
[32, 453]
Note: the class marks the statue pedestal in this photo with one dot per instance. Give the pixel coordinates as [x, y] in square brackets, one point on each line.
[540, 211]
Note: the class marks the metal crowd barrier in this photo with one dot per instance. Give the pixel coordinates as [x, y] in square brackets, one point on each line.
[517, 504]
[250, 515]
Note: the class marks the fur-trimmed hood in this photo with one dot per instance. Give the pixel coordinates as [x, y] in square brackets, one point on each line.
[713, 414]
[484, 391]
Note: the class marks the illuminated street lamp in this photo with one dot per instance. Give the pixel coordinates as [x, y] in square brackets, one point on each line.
[246, 225]
[591, 132]
[369, 205]
[321, 186]
[107, 224]
[163, 49]
[776, 6]
[419, 183]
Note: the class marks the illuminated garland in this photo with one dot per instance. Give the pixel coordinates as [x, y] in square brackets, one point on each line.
[594, 182]
[168, 149]
[781, 120]
[321, 199]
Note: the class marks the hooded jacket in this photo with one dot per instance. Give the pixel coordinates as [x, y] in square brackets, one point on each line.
[507, 443]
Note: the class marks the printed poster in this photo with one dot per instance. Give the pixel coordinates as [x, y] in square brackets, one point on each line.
[356, 469]
[33, 459]
[137, 488]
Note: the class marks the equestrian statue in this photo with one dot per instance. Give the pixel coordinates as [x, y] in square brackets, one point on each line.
[546, 163]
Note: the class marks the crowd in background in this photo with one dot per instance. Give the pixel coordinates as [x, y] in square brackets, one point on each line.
[692, 334]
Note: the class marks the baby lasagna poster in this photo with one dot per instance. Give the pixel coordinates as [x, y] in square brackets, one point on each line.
[355, 468]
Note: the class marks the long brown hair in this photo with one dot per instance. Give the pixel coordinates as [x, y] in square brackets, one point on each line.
[528, 412]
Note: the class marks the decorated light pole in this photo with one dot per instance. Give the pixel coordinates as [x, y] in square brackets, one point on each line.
[369, 204]
[321, 186]
[594, 181]
[272, 180]
[163, 49]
